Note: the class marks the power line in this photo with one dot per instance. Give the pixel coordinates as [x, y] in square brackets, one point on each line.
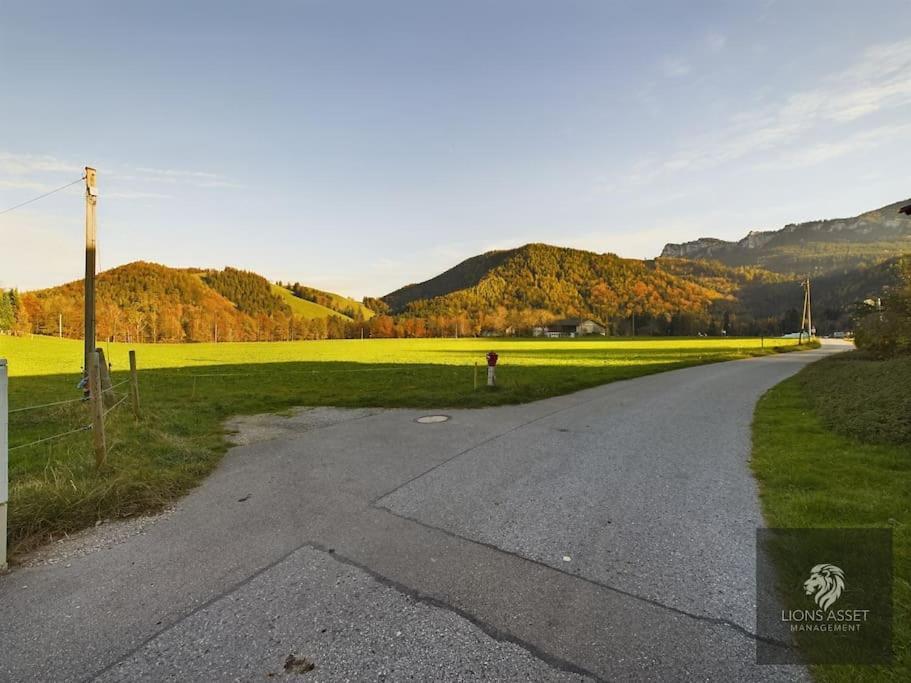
[46, 194]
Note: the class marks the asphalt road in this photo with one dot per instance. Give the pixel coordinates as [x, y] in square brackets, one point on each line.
[607, 534]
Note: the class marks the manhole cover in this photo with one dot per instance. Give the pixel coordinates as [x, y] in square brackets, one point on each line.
[430, 419]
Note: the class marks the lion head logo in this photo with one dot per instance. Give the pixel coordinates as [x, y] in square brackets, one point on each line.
[825, 584]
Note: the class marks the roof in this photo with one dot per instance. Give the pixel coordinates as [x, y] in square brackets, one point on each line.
[571, 322]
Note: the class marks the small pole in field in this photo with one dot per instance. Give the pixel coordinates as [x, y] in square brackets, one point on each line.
[134, 385]
[97, 404]
[476, 375]
[762, 342]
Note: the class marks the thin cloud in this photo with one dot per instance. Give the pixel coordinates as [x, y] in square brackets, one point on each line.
[136, 195]
[25, 185]
[827, 151]
[879, 81]
[202, 179]
[31, 164]
[675, 68]
[715, 42]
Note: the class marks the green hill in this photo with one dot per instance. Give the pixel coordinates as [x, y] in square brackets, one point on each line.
[347, 307]
[303, 307]
[150, 302]
[553, 280]
[466, 274]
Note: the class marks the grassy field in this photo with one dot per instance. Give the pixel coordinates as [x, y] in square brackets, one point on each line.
[309, 309]
[188, 390]
[832, 448]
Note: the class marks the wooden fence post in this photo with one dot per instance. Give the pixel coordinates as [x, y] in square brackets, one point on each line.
[107, 394]
[134, 385]
[4, 460]
[97, 405]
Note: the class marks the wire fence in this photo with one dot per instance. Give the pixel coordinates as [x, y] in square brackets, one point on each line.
[391, 368]
[121, 399]
[84, 428]
[116, 405]
[47, 405]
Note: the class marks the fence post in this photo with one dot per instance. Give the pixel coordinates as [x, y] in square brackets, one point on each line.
[4, 459]
[97, 404]
[134, 384]
[106, 393]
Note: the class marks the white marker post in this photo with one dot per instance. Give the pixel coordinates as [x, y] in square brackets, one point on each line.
[492, 368]
[4, 460]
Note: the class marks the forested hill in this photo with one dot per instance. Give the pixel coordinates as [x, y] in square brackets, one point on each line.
[466, 274]
[544, 279]
[812, 248]
[150, 302]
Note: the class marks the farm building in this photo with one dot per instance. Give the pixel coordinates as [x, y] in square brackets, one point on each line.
[570, 327]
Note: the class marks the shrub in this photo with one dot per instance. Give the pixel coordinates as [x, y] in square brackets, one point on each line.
[887, 333]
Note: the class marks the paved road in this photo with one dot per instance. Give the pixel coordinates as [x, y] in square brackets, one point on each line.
[608, 534]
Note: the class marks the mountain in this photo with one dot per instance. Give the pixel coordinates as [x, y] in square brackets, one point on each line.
[466, 274]
[758, 294]
[547, 281]
[143, 301]
[813, 248]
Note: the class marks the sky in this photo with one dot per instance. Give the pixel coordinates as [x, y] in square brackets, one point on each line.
[361, 146]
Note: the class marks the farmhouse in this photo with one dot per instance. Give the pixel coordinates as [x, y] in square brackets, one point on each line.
[569, 327]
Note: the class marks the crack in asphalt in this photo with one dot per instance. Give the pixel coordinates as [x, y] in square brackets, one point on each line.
[598, 584]
[489, 629]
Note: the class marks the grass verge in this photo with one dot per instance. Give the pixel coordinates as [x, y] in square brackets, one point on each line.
[825, 458]
[189, 390]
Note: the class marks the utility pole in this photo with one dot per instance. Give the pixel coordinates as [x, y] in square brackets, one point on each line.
[806, 317]
[809, 312]
[91, 200]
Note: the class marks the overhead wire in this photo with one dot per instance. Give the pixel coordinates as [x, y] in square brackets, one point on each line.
[41, 196]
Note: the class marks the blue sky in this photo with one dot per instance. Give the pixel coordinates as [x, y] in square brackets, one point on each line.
[360, 146]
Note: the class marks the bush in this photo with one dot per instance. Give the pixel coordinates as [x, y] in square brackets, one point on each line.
[887, 333]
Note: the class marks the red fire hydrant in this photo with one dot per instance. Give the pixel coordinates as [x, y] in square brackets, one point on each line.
[492, 358]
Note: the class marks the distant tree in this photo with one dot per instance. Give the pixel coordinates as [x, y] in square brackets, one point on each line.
[7, 315]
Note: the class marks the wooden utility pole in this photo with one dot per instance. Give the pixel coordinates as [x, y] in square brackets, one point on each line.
[806, 317]
[91, 200]
[809, 312]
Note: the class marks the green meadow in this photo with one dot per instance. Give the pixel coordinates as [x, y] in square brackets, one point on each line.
[188, 390]
[832, 448]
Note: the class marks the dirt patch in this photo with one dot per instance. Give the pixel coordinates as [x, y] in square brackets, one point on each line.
[298, 665]
[248, 429]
